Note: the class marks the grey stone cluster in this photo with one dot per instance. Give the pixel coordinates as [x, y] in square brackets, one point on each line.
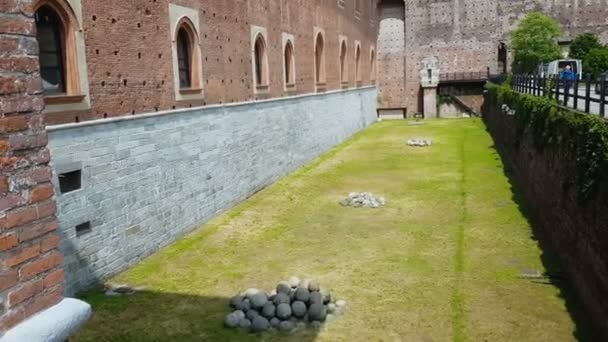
[508, 111]
[293, 305]
[121, 290]
[363, 199]
[420, 142]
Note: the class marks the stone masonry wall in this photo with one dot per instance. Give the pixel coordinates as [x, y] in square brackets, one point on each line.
[129, 57]
[148, 180]
[465, 34]
[578, 233]
[31, 276]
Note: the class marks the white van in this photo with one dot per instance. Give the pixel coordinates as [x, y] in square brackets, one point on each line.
[556, 67]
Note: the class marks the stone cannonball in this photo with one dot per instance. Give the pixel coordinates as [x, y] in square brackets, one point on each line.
[283, 311]
[298, 309]
[302, 294]
[259, 300]
[269, 310]
[232, 320]
[281, 298]
[317, 312]
[260, 324]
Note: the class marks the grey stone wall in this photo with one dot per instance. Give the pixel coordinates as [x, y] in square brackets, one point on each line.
[150, 179]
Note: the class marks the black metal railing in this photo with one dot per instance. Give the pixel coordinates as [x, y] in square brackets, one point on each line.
[588, 96]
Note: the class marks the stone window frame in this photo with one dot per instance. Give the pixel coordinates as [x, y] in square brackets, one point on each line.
[77, 94]
[357, 64]
[257, 33]
[194, 58]
[372, 66]
[320, 76]
[289, 39]
[188, 19]
[343, 62]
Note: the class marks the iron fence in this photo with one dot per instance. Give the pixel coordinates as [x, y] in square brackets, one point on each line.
[588, 95]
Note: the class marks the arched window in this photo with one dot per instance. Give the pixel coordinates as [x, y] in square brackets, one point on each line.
[502, 58]
[343, 75]
[51, 37]
[187, 61]
[184, 58]
[357, 64]
[319, 59]
[289, 64]
[372, 67]
[260, 62]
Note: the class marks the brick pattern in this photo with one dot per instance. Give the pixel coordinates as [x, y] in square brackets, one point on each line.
[31, 277]
[465, 35]
[129, 58]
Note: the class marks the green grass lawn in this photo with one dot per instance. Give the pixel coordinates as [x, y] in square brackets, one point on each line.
[442, 261]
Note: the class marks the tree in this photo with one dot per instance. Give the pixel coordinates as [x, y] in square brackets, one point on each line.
[535, 42]
[596, 62]
[583, 44]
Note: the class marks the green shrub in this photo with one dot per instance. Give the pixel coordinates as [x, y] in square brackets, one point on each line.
[583, 135]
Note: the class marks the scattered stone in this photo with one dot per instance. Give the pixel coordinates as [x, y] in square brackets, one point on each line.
[293, 281]
[316, 325]
[363, 199]
[260, 324]
[317, 312]
[251, 314]
[313, 286]
[111, 293]
[274, 322]
[249, 293]
[304, 283]
[287, 309]
[258, 300]
[419, 142]
[269, 310]
[316, 298]
[281, 298]
[302, 294]
[232, 321]
[287, 326]
[245, 324]
[298, 309]
[283, 287]
[283, 311]
[236, 301]
[244, 305]
[326, 297]
[240, 314]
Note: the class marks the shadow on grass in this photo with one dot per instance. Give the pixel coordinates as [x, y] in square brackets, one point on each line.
[550, 259]
[157, 316]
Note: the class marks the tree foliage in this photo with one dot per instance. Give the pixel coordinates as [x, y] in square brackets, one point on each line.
[596, 61]
[583, 44]
[535, 42]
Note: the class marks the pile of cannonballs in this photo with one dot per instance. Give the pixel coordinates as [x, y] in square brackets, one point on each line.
[291, 306]
[419, 142]
[363, 199]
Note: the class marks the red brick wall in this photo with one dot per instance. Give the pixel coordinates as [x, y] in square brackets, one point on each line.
[31, 277]
[117, 31]
[577, 232]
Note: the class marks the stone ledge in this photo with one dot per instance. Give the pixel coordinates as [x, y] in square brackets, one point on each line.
[54, 324]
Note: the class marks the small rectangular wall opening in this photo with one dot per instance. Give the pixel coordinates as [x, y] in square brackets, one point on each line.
[70, 181]
[83, 228]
